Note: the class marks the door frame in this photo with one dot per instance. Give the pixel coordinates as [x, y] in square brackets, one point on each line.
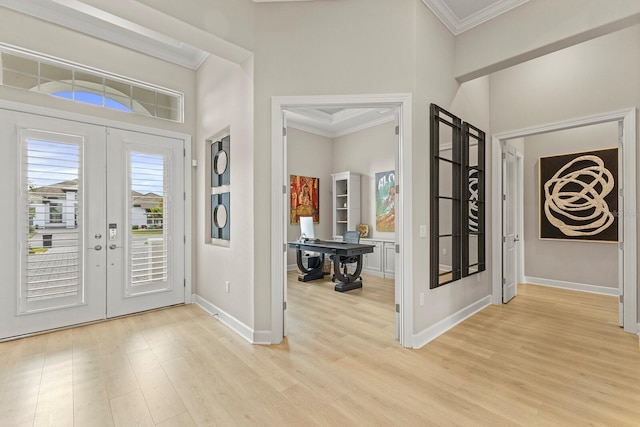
[628, 281]
[404, 222]
[108, 123]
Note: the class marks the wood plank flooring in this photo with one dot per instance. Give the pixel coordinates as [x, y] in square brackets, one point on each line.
[549, 357]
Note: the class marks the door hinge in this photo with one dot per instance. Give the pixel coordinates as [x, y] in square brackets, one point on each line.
[504, 156]
[284, 305]
[621, 245]
[504, 239]
[284, 189]
[621, 299]
[397, 188]
[284, 247]
[397, 249]
[185, 240]
[184, 195]
[284, 131]
[504, 281]
[397, 130]
[185, 283]
[504, 197]
[184, 152]
[621, 192]
[397, 308]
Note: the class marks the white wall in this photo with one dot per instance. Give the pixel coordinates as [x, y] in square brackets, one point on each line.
[316, 48]
[367, 152]
[590, 78]
[588, 263]
[536, 28]
[311, 155]
[225, 101]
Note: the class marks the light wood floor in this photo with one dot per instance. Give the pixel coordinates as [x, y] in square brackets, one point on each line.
[549, 357]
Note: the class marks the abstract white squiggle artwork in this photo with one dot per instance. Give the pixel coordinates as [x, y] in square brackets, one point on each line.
[574, 199]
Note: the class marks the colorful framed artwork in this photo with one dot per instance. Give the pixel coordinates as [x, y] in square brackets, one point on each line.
[385, 184]
[579, 196]
[305, 198]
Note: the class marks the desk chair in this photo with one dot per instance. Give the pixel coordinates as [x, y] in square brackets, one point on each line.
[347, 237]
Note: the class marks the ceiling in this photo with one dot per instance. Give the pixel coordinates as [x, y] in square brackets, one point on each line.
[333, 122]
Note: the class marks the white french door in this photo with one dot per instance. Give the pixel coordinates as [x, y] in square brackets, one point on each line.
[90, 220]
[144, 222]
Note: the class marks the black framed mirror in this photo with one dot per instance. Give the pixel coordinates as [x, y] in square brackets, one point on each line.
[446, 200]
[457, 198]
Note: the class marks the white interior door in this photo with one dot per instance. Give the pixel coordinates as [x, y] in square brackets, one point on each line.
[145, 222]
[509, 223]
[65, 183]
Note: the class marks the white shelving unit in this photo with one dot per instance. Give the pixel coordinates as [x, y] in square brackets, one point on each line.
[346, 202]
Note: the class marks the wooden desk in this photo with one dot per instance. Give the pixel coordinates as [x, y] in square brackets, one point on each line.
[354, 251]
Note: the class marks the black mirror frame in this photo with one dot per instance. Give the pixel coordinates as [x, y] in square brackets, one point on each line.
[461, 198]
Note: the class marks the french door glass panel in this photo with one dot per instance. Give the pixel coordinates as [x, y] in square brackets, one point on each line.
[52, 255]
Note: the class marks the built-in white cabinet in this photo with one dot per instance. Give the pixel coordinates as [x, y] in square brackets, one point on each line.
[346, 202]
[381, 262]
[372, 262]
[389, 259]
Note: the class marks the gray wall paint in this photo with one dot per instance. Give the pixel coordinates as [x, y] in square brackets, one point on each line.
[570, 261]
[311, 155]
[367, 152]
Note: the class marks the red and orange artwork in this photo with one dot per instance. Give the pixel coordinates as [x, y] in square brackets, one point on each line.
[305, 198]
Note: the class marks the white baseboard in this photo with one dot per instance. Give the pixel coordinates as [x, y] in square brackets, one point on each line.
[604, 290]
[434, 331]
[254, 337]
[638, 329]
[292, 267]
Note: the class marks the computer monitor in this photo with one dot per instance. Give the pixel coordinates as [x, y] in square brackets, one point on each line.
[306, 228]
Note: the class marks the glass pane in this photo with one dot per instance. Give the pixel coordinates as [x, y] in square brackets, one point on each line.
[148, 239]
[166, 113]
[52, 275]
[167, 101]
[445, 184]
[19, 64]
[113, 87]
[473, 249]
[446, 141]
[19, 80]
[445, 268]
[446, 216]
[473, 153]
[81, 79]
[149, 108]
[145, 96]
[54, 72]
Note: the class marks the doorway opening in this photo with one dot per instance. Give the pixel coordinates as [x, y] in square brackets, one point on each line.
[618, 257]
[281, 109]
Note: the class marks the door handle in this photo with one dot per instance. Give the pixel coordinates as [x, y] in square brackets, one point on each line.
[98, 236]
[97, 247]
[112, 246]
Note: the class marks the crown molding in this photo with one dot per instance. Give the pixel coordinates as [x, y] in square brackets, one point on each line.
[457, 25]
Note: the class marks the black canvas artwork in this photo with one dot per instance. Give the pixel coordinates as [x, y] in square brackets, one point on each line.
[579, 196]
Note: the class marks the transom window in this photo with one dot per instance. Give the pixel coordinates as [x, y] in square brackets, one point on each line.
[40, 73]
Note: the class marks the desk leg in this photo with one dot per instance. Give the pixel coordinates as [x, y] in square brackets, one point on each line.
[348, 282]
[309, 273]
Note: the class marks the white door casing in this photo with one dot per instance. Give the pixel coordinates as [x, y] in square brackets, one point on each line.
[509, 224]
[404, 237]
